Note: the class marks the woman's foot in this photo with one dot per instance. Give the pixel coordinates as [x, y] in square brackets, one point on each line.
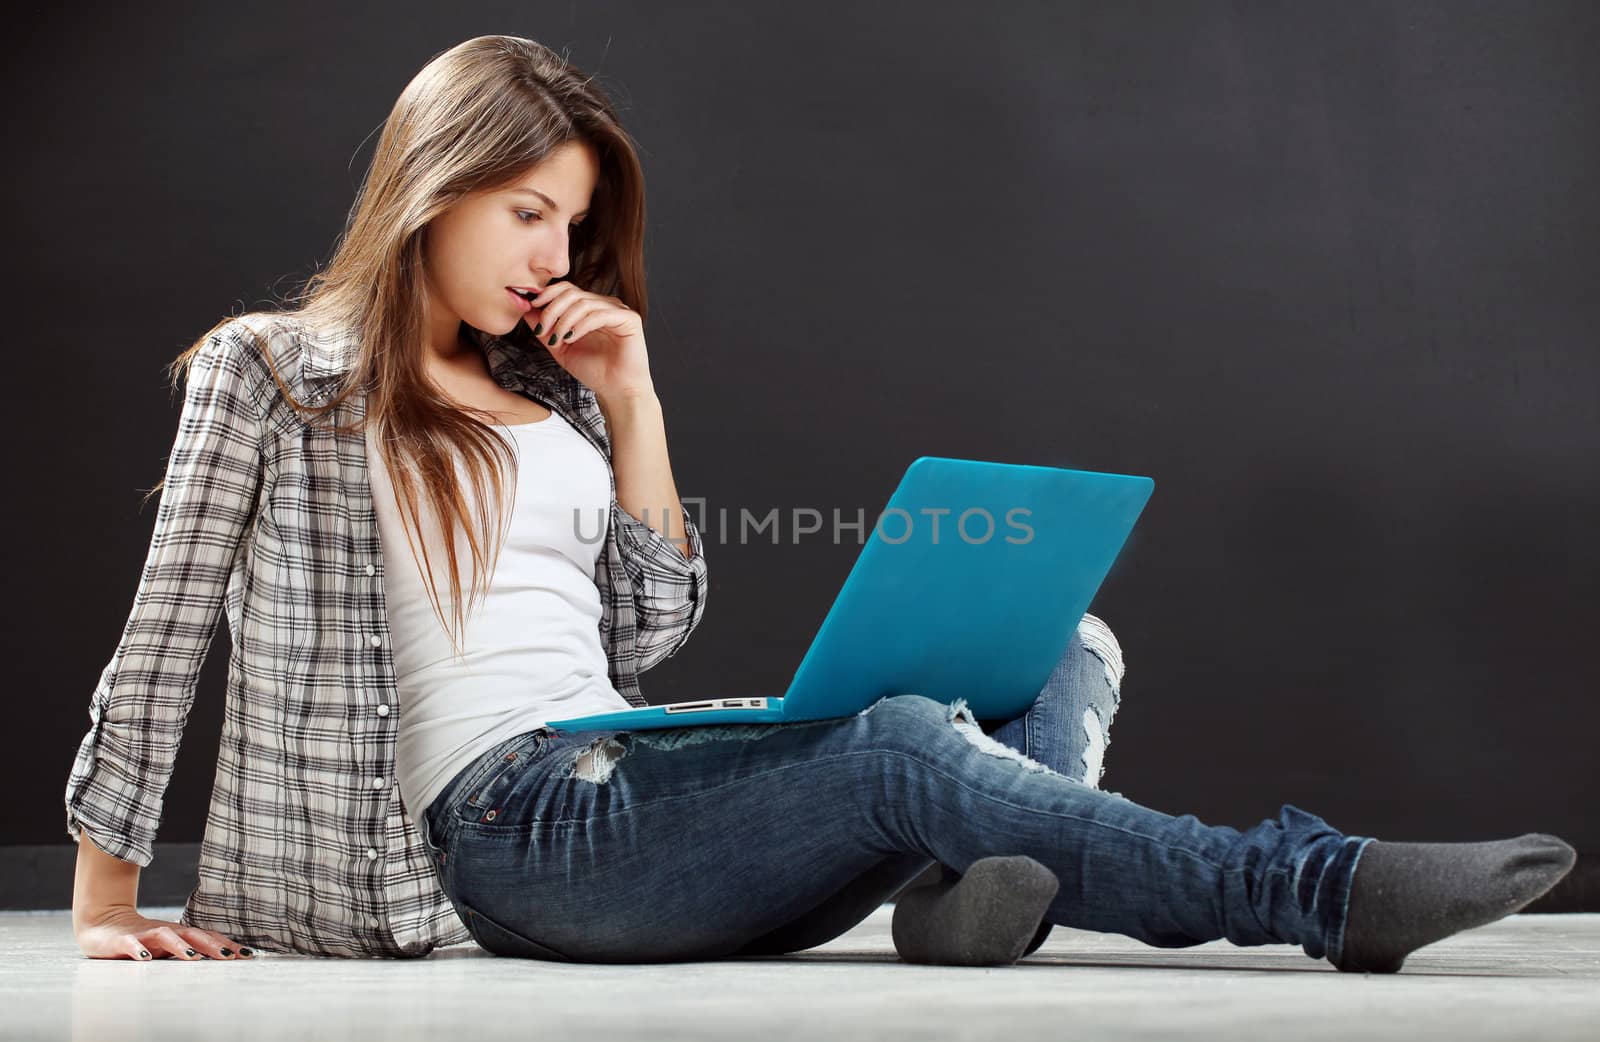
[990, 916]
[1406, 895]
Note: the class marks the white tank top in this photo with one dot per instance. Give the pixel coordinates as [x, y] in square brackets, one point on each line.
[532, 649]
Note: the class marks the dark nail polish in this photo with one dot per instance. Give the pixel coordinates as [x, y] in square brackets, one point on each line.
[143, 954]
[225, 951]
[246, 952]
[537, 326]
[188, 951]
[552, 342]
[568, 336]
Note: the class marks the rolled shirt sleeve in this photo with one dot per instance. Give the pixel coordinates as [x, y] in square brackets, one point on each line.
[669, 589]
[136, 714]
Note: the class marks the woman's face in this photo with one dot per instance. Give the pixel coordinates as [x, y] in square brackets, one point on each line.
[505, 237]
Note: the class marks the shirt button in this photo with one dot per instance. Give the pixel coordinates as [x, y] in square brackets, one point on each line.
[375, 639]
[372, 570]
[383, 710]
[372, 855]
[377, 783]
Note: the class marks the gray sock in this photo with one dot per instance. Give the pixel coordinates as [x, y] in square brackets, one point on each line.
[1406, 895]
[987, 917]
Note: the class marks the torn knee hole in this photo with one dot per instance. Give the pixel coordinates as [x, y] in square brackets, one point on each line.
[596, 763]
[961, 718]
[1094, 752]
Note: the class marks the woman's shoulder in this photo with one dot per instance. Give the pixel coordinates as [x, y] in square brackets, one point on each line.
[286, 346]
[282, 337]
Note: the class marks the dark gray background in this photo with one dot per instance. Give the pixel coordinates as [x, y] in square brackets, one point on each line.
[1322, 270]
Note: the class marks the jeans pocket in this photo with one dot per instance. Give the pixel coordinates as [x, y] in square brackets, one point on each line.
[501, 940]
[492, 776]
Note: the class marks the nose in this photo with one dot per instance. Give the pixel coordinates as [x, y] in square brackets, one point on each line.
[552, 265]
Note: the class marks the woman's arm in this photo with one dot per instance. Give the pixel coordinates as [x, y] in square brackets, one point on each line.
[664, 558]
[643, 473]
[138, 708]
[107, 923]
[103, 883]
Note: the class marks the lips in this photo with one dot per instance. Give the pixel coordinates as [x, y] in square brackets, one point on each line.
[522, 302]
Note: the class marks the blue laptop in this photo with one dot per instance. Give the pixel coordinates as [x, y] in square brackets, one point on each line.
[971, 584]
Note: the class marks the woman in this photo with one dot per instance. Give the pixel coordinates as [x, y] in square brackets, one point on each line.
[385, 784]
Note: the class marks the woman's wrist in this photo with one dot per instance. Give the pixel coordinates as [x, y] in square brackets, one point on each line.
[104, 885]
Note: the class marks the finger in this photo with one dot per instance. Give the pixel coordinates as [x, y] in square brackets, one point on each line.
[543, 299]
[535, 315]
[564, 327]
[552, 303]
[552, 292]
[212, 944]
[136, 949]
[152, 948]
[168, 939]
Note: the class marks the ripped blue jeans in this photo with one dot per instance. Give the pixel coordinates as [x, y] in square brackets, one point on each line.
[734, 840]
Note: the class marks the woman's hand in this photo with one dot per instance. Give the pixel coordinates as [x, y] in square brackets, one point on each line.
[599, 340]
[125, 934]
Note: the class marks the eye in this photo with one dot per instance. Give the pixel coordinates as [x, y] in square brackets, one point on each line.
[523, 215]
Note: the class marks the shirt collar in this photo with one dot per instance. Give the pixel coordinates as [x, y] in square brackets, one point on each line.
[516, 361]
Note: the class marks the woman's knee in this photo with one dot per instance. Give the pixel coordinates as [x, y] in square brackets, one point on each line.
[917, 723]
[913, 721]
[1106, 652]
[1096, 637]
[892, 713]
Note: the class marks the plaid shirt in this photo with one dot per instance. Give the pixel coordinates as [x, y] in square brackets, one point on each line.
[307, 846]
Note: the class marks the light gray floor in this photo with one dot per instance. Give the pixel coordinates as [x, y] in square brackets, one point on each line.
[1524, 977]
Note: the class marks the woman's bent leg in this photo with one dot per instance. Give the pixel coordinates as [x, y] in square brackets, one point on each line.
[1067, 728]
[688, 844]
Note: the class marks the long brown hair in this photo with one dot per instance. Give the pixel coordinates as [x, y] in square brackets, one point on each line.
[475, 118]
